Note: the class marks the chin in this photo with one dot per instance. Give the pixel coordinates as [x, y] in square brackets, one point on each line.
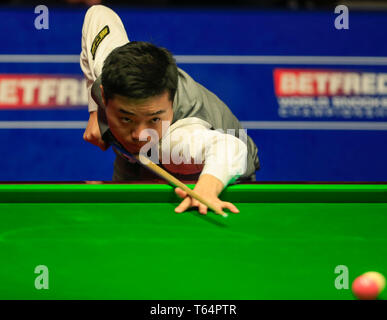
[132, 148]
[133, 151]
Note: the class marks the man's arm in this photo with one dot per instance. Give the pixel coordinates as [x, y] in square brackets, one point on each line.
[224, 158]
[97, 19]
[92, 133]
[209, 187]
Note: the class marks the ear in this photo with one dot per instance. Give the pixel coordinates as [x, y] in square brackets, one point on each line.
[103, 95]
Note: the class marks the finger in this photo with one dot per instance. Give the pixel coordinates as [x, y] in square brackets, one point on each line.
[195, 203]
[230, 207]
[202, 208]
[86, 136]
[184, 205]
[89, 138]
[181, 193]
[103, 145]
[95, 141]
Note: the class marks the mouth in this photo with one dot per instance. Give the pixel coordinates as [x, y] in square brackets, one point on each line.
[134, 148]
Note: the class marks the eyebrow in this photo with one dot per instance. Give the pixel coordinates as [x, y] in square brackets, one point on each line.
[149, 114]
[126, 112]
[156, 113]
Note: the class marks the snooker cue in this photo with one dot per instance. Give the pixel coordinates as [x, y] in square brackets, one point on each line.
[161, 172]
[176, 182]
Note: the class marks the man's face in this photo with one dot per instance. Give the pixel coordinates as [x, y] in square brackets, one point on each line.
[127, 119]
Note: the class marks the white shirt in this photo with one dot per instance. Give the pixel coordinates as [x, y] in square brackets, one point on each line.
[219, 154]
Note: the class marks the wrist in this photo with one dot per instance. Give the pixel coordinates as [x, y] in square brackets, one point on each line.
[211, 183]
[93, 114]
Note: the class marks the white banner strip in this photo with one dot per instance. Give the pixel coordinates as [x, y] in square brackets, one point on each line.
[37, 58]
[207, 59]
[43, 124]
[314, 125]
[285, 60]
[251, 125]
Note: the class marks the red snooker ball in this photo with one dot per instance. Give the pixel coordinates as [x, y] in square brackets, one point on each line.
[365, 288]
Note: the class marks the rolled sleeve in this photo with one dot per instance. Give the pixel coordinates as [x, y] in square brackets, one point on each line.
[224, 156]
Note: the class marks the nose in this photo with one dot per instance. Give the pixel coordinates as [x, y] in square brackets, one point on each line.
[136, 132]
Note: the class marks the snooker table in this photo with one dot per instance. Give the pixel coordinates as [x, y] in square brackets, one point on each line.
[124, 241]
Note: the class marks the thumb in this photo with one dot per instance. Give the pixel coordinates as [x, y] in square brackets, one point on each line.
[181, 193]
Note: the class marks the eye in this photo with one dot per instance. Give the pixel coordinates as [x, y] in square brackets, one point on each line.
[155, 120]
[126, 120]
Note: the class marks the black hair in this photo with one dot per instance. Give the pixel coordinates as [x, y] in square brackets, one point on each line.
[139, 70]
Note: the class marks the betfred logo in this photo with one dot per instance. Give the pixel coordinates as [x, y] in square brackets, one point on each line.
[304, 82]
[43, 91]
[330, 94]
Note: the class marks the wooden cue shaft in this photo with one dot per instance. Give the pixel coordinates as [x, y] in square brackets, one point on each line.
[171, 179]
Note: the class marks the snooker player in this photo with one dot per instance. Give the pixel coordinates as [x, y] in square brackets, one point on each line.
[138, 97]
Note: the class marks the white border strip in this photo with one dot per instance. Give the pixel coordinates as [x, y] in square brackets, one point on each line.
[207, 59]
[252, 125]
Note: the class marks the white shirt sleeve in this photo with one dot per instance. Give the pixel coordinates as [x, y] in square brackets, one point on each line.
[222, 155]
[96, 18]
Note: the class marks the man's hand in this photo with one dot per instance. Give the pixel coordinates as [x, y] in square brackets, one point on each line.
[92, 133]
[209, 188]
